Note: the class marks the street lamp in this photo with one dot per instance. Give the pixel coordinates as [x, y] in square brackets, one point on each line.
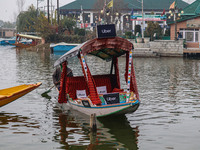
[38, 1]
[174, 12]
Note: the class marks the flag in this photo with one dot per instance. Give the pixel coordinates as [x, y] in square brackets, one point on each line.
[173, 5]
[163, 13]
[132, 12]
[110, 4]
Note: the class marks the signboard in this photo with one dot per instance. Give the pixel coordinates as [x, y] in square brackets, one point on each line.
[102, 90]
[81, 94]
[86, 103]
[105, 31]
[111, 98]
[149, 18]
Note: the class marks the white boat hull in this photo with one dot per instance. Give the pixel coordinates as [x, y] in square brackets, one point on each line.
[104, 110]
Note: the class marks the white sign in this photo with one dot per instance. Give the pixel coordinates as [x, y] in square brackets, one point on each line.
[149, 18]
[81, 94]
[102, 90]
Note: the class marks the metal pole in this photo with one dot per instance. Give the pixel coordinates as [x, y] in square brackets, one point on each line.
[112, 13]
[58, 11]
[51, 13]
[104, 14]
[48, 9]
[37, 8]
[175, 21]
[142, 22]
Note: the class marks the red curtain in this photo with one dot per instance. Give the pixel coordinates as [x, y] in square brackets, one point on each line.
[91, 85]
[92, 89]
[133, 81]
[62, 93]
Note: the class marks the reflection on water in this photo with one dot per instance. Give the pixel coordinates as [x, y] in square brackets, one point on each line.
[114, 133]
[168, 117]
[118, 133]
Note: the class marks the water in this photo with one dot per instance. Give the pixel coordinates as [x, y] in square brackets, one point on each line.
[168, 117]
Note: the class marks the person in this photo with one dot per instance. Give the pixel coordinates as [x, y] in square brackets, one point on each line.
[179, 35]
[57, 75]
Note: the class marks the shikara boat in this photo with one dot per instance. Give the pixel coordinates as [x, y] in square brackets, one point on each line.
[61, 48]
[100, 94]
[10, 94]
[21, 43]
[6, 42]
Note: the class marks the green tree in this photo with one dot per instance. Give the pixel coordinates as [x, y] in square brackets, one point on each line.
[26, 20]
[67, 24]
[8, 25]
[152, 28]
[80, 32]
[1, 23]
[137, 29]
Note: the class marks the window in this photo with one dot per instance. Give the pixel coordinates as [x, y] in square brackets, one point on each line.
[189, 36]
[196, 36]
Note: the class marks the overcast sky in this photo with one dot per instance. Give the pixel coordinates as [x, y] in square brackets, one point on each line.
[9, 8]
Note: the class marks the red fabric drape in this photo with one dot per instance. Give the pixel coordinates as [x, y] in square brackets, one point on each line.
[115, 61]
[92, 89]
[133, 81]
[62, 93]
[91, 85]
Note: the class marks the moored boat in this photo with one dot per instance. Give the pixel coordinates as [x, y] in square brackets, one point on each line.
[21, 43]
[5, 42]
[61, 48]
[10, 94]
[100, 94]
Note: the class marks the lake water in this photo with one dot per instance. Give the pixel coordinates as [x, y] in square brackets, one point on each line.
[168, 117]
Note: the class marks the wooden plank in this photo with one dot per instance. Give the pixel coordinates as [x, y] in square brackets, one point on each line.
[191, 50]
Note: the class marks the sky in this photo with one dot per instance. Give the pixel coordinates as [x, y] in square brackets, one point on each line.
[9, 8]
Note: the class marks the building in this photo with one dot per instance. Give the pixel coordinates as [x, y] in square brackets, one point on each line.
[88, 13]
[7, 32]
[188, 25]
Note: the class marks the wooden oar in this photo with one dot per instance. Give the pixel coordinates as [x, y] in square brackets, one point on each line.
[45, 93]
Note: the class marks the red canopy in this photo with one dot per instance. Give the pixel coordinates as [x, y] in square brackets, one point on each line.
[111, 43]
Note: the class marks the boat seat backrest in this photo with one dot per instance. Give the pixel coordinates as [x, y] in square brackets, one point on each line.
[79, 83]
[74, 84]
[103, 80]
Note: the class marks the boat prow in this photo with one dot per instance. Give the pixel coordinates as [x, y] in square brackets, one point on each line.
[10, 94]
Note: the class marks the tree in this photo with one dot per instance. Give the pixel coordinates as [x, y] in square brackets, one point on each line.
[8, 25]
[1, 23]
[26, 20]
[67, 24]
[152, 28]
[137, 29]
